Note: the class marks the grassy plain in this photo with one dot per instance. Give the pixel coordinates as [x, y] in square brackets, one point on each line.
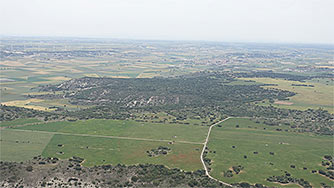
[126, 128]
[98, 151]
[301, 150]
[29, 141]
[21, 146]
[18, 122]
[319, 96]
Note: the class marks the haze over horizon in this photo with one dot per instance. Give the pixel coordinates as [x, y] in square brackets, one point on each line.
[283, 21]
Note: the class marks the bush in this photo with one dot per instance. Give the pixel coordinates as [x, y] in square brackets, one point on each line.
[193, 183]
[134, 178]
[29, 168]
[228, 174]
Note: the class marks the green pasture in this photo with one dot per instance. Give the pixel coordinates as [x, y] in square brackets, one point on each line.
[98, 151]
[26, 142]
[126, 128]
[21, 146]
[18, 122]
[301, 150]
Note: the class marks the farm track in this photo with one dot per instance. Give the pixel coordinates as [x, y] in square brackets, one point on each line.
[205, 143]
[103, 136]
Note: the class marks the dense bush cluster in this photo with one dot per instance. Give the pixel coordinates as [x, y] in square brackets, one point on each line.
[317, 121]
[247, 185]
[161, 150]
[285, 179]
[328, 162]
[8, 113]
[200, 89]
[63, 173]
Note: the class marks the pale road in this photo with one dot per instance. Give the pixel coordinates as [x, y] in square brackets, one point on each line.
[205, 143]
[102, 136]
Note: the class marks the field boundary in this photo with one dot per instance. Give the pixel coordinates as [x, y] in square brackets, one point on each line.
[104, 136]
[27, 124]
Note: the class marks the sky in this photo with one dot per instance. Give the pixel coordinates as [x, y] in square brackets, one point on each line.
[281, 21]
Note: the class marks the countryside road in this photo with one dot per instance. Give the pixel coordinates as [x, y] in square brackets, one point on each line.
[205, 143]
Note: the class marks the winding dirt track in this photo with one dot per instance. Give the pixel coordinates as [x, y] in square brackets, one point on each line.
[205, 143]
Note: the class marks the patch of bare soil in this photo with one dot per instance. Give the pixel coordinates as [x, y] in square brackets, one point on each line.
[283, 102]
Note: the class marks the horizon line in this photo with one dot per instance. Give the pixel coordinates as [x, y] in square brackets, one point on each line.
[165, 40]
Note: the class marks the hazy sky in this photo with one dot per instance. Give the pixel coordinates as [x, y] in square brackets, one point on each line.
[306, 21]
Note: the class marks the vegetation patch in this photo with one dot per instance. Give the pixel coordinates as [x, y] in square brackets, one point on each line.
[328, 162]
[70, 173]
[161, 150]
[237, 169]
[286, 179]
[234, 170]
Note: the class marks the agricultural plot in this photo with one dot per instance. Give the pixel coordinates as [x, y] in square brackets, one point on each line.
[52, 104]
[98, 151]
[98, 142]
[262, 153]
[19, 84]
[11, 91]
[133, 129]
[22, 146]
[28, 103]
[310, 94]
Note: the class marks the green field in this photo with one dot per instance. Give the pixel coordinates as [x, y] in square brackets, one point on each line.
[301, 150]
[97, 151]
[89, 140]
[319, 96]
[133, 129]
[18, 122]
[21, 146]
